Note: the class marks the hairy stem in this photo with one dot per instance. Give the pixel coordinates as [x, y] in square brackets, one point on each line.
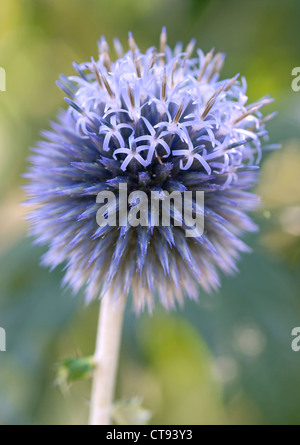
[106, 359]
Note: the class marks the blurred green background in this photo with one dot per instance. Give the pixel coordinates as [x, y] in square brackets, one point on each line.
[227, 359]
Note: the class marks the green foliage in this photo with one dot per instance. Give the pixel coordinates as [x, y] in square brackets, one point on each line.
[70, 370]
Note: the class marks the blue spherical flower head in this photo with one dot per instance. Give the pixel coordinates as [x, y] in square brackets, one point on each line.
[158, 121]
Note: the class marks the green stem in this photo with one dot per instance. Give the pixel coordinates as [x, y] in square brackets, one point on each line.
[106, 359]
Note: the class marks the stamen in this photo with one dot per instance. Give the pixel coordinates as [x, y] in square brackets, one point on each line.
[133, 147]
[261, 103]
[238, 143]
[217, 65]
[96, 71]
[137, 66]
[173, 72]
[75, 106]
[131, 96]
[164, 85]
[153, 59]
[163, 43]
[268, 117]
[264, 120]
[103, 46]
[104, 52]
[248, 113]
[107, 86]
[211, 102]
[182, 69]
[197, 150]
[106, 61]
[178, 114]
[216, 94]
[131, 43]
[118, 47]
[79, 70]
[159, 160]
[207, 61]
[231, 82]
[208, 107]
[190, 48]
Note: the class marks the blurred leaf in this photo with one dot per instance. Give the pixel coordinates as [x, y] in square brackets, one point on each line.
[182, 366]
[34, 313]
[72, 369]
[130, 412]
[250, 321]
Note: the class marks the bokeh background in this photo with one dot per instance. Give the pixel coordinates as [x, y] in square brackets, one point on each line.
[226, 360]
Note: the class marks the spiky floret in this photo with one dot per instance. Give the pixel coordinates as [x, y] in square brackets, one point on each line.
[156, 121]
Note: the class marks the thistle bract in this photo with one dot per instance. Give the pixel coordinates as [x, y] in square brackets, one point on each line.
[156, 121]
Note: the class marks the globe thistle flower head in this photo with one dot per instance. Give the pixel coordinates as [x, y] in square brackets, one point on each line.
[156, 121]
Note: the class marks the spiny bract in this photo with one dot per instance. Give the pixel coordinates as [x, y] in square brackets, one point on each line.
[156, 121]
